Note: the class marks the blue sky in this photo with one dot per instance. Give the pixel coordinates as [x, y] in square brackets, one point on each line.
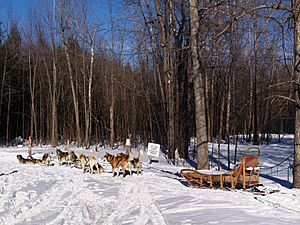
[98, 8]
[18, 8]
[98, 13]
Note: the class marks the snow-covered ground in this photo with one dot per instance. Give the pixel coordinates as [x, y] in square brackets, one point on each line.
[36, 194]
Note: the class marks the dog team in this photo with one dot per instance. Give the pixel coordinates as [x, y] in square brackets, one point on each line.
[91, 163]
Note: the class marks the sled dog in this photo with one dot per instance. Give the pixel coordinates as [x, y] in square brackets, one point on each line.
[72, 157]
[91, 162]
[119, 161]
[96, 168]
[61, 156]
[137, 162]
[46, 159]
[23, 160]
[35, 160]
[83, 161]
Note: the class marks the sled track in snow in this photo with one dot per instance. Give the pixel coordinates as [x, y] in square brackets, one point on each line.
[135, 205]
[49, 195]
[62, 201]
[275, 205]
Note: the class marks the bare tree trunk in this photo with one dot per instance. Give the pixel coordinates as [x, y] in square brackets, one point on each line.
[158, 74]
[41, 115]
[8, 115]
[53, 87]
[89, 110]
[296, 178]
[83, 71]
[53, 95]
[169, 71]
[201, 131]
[34, 110]
[220, 130]
[207, 105]
[269, 101]
[112, 105]
[228, 114]
[88, 133]
[75, 100]
[212, 107]
[248, 126]
[3, 81]
[164, 37]
[254, 85]
[23, 105]
[33, 122]
[230, 79]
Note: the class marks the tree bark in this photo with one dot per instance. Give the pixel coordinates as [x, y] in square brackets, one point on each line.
[296, 178]
[3, 81]
[8, 114]
[164, 36]
[53, 96]
[201, 131]
[33, 123]
[89, 109]
[112, 103]
[254, 85]
[75, 100]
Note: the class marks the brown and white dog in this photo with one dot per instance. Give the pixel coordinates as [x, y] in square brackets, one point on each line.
[72, 157]
[23, 160]
[69, 156]
[118, 161]
[92, 162]
[137, 162]
[35, 160]
[46, 159]
[61, 156]
[96, 168]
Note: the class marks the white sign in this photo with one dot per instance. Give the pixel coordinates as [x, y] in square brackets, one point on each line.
[153, 149]
[127, 142]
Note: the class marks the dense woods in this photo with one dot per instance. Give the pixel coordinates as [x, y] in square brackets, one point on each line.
[160, 70]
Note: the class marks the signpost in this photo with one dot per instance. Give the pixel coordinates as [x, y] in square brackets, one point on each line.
[127, 142]
[127, 145]
[153, 150]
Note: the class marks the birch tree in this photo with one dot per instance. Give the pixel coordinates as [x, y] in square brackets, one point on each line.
[64, 29]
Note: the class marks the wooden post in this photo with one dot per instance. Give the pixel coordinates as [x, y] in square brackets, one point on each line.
[29, 146]
[128, 146]
[201, 182]
[210, 181]
[221, 181]
[244, 174]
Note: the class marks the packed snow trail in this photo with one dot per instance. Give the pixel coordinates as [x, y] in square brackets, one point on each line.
[135, 205]
[62, 199]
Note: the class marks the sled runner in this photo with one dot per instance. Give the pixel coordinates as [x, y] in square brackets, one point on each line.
[245, 174]
[201, 178]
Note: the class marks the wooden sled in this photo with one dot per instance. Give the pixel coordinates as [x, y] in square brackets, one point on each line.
[202, 178]
[246, 174]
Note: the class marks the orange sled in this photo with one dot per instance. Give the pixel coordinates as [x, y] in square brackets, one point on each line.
[246, 174]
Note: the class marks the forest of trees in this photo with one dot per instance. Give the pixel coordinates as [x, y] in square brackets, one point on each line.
[159, 70]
